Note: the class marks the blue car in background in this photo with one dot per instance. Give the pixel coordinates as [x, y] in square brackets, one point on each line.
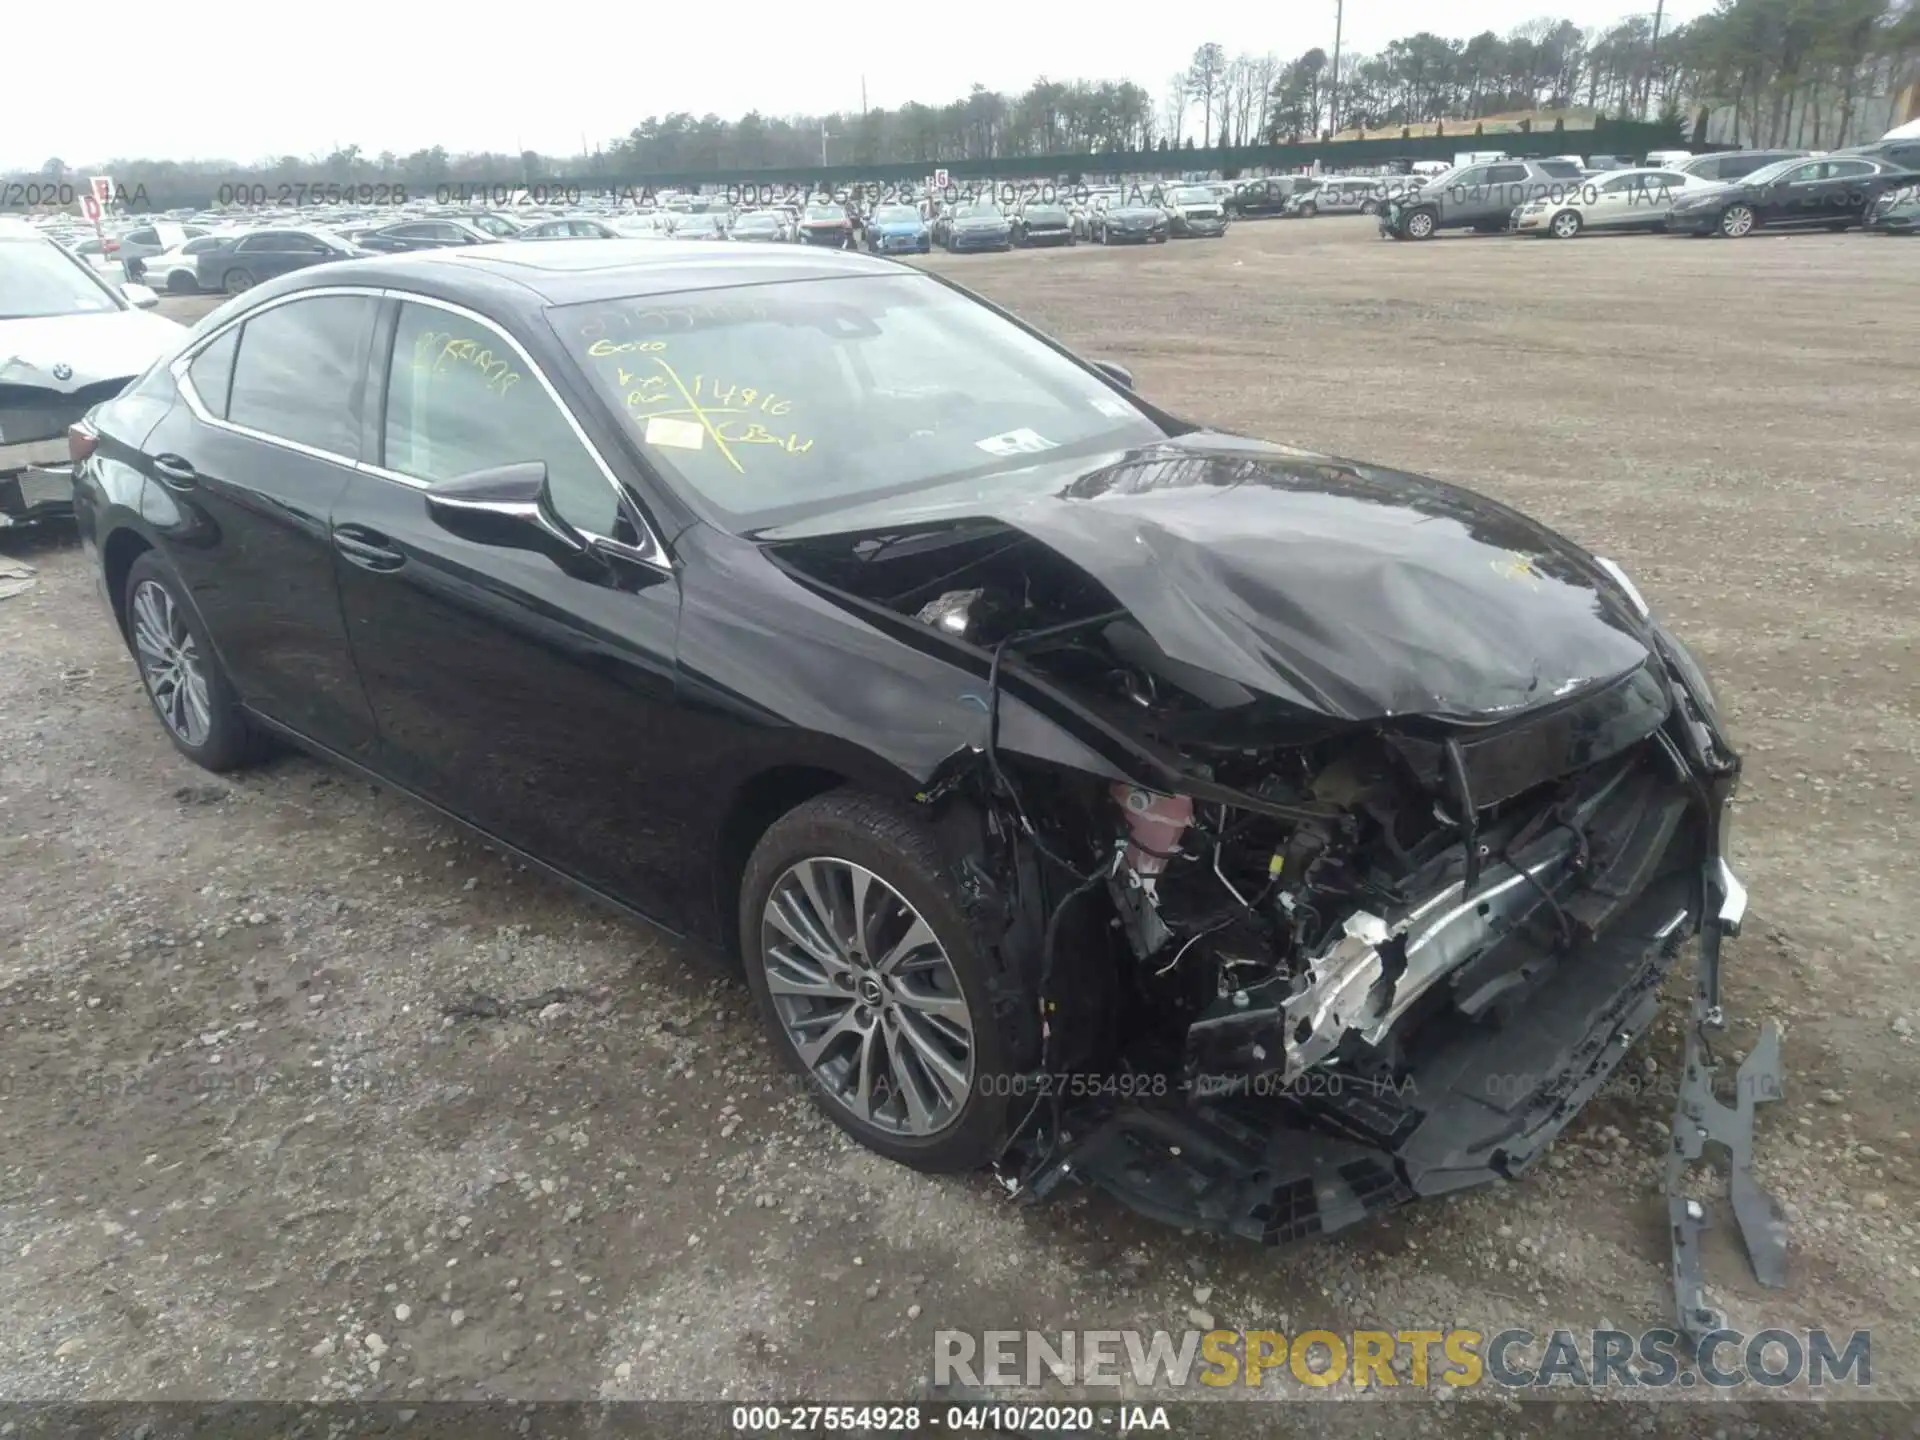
[898, 230]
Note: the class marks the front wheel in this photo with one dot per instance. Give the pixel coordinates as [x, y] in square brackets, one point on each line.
[1309, 210]
[1419, 225]
[872, 982]
[183, 677]
[1565, 225]
[1737, 221]
[237, 280]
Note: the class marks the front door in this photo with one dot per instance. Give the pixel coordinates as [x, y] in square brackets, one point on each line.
[536, 705]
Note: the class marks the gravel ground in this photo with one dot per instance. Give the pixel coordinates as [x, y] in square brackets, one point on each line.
[246, 1151]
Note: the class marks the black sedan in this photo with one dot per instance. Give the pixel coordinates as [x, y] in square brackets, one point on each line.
[1829, 192]
[244, 261]
[1042, 223]
[426, 235]
[1002, 726]
[1129, 222]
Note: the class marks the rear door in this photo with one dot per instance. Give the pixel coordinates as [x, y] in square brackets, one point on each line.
[1506, 186]
[242, 477]
[536, 705]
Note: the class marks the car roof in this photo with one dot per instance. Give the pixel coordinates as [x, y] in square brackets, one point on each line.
[520, 274]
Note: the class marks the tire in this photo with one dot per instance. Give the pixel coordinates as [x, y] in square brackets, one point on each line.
[180, 282]
[1309, 210]
[204, 719]
[1565, 225]
[1737, 221]
[236, 280]
[855, 831]
[1420, 225]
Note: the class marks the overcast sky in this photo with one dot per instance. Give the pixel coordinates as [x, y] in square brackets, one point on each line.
[241, 83]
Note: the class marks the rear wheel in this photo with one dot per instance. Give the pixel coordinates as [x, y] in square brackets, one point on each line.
[1737, 221]
[190, 692]
[872, 983]
[180, 282]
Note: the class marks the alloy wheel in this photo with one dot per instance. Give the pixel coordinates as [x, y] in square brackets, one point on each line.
[1736, 222]
[868, 997]
[170, 664]
[1420, 225]
[1566, 225]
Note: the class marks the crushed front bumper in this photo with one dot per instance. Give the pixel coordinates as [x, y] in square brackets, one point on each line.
[1322, 1152]
[36, 482]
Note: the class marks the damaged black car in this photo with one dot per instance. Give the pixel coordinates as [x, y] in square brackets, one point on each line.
[1264, 837]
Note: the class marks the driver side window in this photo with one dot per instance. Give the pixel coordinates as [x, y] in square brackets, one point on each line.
[459, 399]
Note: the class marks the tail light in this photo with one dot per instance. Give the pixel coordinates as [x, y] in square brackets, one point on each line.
[81, 442]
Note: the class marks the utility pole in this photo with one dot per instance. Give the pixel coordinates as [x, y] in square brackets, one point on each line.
[1333, 103]
[1653, 55]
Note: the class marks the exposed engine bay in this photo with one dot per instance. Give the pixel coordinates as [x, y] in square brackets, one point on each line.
[1335, 960]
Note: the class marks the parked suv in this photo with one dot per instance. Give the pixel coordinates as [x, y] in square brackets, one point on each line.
[1477, 197]
[1733, 164]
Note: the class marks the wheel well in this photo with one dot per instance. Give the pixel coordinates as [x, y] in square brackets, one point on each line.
[123, 547]
[760, 802]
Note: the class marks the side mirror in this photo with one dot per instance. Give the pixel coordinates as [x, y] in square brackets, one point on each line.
[1119, 374]
[511, 507]
[139, 296]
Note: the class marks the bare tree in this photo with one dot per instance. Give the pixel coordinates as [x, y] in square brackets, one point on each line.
[1204, 77]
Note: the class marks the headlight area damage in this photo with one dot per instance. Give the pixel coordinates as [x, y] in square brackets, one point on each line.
[1373, 898]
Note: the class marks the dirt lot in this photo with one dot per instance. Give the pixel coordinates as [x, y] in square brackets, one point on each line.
[240, 1136]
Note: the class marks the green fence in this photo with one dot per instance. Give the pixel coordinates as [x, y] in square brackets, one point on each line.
[1607, 137]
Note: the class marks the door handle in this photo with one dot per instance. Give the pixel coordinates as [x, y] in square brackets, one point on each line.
[174, 472]
[368, 549]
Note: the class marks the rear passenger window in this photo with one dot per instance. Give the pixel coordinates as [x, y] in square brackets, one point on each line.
[300, 373]
[459, 400]
[1507, 174]
[211, 373]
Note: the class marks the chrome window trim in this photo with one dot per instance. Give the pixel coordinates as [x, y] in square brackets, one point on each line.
[650, 551]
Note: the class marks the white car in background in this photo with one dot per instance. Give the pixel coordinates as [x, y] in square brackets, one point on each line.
[69, 338]
[1637, 199]
[175, 272]
[655, 225]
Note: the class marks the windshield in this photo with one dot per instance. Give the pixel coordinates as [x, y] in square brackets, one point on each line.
[977, 212]
[37, 280]
[1048, 213]
[896, 215]
[1193, 195]
[756, 222]
[826, 212]
[697, 224]
[774, 403]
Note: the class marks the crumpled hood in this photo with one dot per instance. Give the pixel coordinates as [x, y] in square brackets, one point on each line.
[1354, 592]
[84, 349]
